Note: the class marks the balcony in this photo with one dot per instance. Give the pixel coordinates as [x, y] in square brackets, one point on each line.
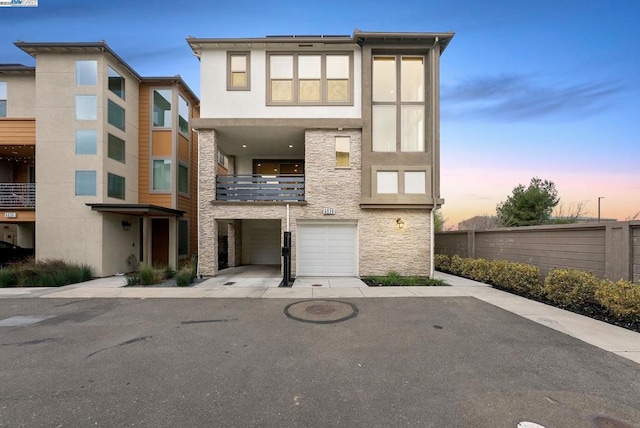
[17, 195]
[253, 188]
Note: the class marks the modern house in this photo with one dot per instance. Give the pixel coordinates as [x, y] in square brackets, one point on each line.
[97, 163]
[333, 138]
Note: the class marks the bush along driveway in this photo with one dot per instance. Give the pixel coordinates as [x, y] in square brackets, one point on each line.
[577, 291]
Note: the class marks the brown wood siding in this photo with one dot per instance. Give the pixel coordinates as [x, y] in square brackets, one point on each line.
[23, 216]
[161, 144]
[18, 132]
[636, 253]
[183, 148]
[144, 175]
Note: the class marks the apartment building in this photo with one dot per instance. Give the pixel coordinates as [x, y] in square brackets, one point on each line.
[333, 138]
[97, 163]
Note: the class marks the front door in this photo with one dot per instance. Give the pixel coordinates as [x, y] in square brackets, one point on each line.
[160, 241]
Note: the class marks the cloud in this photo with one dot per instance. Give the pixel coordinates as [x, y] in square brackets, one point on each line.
[518, 98]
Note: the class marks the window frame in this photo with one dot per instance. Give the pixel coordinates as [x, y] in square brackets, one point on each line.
[95, 182]
[4, 97]
[401, 187]
[152, 172]
[399, 103]
[79, 74]
[109, 70]
[94, 143]
[110, 103]
[295, 81]
[153, 108]
[185, 132]
[185, 166]
[247, 71]
[124, 188]
[124, 148]
[348, 152]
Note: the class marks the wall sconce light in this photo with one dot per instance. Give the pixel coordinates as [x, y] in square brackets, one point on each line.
[126, 225]
[399, 223]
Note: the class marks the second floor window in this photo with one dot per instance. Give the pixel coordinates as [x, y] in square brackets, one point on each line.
[314, 79]
[162, 108]
[238, 66]
[86, 73]
[398, 96]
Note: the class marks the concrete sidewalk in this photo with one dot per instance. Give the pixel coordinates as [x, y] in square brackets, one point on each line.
[602, 335]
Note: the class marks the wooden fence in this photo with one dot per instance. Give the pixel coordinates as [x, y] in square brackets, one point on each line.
[608, 249]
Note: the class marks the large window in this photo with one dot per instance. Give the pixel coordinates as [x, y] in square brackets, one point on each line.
[183, 178]
[85, 183]
[162, 174]
[309, 79]
[162, 108]
[116, 82]
[406, 180]
[86, 73]
[115, 149]
[3, 99]
[398, 95]
[238, 67]
[183, 115]
[86, 141]
[86, 107]
[115, 186]
[115, 115]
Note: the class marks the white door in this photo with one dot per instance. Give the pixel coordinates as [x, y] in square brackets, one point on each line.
[327, 250]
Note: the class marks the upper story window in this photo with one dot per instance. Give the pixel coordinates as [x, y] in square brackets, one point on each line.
[116, 115]
[398, 97]
[3, 99]
[115, 186]
[85, 183]
[86, 73]
[162, 108]
[313, 79]
[86, 141]
[238, 68]
[183, 115]
[115, 82]
[86, 107]
[342, 152]
[115, 148]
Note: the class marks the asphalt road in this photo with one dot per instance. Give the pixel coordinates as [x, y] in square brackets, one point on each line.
[416, 362]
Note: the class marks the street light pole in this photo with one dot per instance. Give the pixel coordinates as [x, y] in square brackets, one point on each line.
[599, 197]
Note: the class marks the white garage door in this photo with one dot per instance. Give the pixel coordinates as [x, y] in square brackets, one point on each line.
[327, 250]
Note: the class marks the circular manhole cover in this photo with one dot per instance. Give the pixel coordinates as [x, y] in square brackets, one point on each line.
[321, 311]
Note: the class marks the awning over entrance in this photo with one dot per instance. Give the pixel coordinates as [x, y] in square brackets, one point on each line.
[137, 210]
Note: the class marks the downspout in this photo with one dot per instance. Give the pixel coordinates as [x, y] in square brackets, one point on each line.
[435, 141]
[432, 268]
[198, 275]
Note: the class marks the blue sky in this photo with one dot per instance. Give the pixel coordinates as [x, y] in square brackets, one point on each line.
[544, 88]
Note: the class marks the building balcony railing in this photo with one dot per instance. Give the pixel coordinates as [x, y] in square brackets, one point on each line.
[252, 188]
[17, 195]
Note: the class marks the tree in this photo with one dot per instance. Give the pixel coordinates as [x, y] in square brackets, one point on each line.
[438, 220]
[529, 206]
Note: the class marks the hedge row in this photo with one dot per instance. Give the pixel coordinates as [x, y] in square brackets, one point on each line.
[566, 288]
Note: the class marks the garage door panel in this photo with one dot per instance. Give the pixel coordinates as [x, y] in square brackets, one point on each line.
[327, 250]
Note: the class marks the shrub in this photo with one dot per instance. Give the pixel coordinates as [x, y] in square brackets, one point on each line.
[620, 298]
[132, 280]
[7, 277]
[455, 265]
[185, 276]
[570, 287]
[521, 278]
[47, 273]
[476, 269]
[442, 262]
[146, 276]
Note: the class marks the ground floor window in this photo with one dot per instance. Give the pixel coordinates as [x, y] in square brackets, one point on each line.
[183, 238]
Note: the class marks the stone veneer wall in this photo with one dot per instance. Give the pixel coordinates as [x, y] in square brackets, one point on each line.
[382, 247]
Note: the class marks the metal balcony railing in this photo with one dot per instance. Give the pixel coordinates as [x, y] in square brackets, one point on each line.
[250, 188]
[17, 195]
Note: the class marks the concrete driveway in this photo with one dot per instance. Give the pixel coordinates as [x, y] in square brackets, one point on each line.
[423, 362]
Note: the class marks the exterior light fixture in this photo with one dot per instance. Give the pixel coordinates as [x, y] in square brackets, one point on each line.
[290, 145]
[244, 146]
[399, 223]
[126, 225]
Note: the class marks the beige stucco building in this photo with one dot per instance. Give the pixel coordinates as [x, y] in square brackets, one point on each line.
[333, 138]
[98, 162]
